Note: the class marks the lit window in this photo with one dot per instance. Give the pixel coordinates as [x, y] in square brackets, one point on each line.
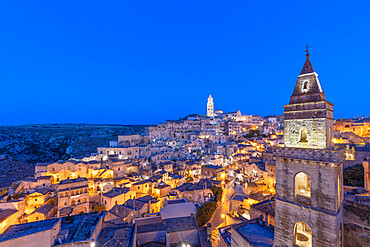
[302, 188]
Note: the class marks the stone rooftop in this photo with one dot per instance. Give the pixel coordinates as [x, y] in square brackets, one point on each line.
[121, 211]
[44, 209]
[266, 207]
[16, 231]
[116, 235]
[116, 192]
[5, 213]
[238, 197]
[255, 233]
[173, 224]
[75, 180]
[176, 201]
[81, 227]
[142, 182]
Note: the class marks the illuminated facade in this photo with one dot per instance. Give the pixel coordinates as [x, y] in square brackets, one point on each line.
[360, 127]
[73, 196]
[210, 107]
[309, 177]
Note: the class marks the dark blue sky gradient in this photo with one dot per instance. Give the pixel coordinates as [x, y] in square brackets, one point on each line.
[141, 62]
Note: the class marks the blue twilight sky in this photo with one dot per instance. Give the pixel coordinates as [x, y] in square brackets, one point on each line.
[142, 62]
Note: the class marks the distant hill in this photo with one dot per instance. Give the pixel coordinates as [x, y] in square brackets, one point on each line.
[25, 145]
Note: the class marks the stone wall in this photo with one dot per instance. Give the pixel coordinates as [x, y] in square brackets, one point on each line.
[316, 132]
[356, 219]
[323, 176]
[325, 227]
[324, 213]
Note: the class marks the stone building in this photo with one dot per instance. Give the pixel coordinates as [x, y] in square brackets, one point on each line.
[8, 217]
[266, 209]
[360, 127]
[46, 211]
[78, 230]
[73, 196]
[117, 196]
[309, 173]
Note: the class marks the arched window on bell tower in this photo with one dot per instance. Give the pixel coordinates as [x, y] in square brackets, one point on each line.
[305, 87]
[302, 235]
[302, 188]
[303, 133]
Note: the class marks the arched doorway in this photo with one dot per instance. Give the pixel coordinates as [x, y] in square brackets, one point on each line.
[82, 210]
[302, 235]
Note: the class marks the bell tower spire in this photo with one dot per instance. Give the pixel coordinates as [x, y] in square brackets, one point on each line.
[308, 117]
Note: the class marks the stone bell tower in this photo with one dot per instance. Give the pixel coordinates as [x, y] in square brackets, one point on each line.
[308, 119]
[210, 107]
[309, 172]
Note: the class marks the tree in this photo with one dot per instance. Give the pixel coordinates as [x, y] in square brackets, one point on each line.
[205, 212]
[217, 192]
[354, 175]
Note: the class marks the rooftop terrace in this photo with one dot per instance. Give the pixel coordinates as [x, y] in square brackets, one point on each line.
[256, 234]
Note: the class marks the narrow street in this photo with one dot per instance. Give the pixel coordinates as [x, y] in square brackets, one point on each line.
[222, 210]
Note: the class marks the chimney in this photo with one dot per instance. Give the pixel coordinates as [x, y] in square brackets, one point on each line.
[116, 210]
[260, 220]
[266, 219]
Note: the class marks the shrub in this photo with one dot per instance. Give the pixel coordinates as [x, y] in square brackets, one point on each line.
[98, 208]
[354, 175]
